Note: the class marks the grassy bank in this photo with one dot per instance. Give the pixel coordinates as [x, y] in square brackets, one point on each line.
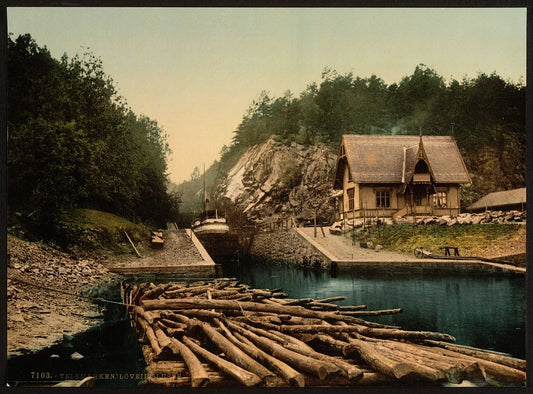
[486, 240]
[92, 230]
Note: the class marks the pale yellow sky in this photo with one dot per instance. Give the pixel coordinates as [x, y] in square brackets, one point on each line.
[196, 70]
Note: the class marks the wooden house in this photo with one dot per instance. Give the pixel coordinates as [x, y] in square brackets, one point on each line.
[390, 176]
[506, 200]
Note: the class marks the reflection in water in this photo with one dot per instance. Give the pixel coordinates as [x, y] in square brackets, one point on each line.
[483, 311]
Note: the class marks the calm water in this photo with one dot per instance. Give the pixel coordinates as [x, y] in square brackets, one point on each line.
[481, 311]
[486, 311]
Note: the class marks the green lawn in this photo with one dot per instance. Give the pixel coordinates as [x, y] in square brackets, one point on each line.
[472, 240]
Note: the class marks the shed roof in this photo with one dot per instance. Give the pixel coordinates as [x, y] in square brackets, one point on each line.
[380, 158]
[500, 199]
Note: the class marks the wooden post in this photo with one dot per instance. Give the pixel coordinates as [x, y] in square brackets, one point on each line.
[314, 221]
[131, 243]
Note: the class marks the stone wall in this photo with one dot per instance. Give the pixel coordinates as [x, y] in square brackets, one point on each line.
[287, 245]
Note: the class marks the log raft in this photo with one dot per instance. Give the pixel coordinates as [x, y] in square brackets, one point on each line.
[224, 333]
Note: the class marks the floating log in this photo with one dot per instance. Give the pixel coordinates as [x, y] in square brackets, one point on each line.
[318, 368]
[483, 354]
[377, 360]
[331, 299]
[241, 375]
[150, 335]
[199, 376]
[231, 351]
[290, 375]
[270, 341]
[499, 372]
[372, 313]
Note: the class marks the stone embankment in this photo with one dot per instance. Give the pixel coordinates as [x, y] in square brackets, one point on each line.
[287, 245]
[38, 317]
[475, 218]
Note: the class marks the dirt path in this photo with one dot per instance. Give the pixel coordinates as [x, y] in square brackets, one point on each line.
[38, 317]
[178, 253]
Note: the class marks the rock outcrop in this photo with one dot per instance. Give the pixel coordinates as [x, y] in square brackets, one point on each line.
[273, 180]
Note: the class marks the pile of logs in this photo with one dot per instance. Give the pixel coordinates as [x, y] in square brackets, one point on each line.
[157, 241]
[223, 332]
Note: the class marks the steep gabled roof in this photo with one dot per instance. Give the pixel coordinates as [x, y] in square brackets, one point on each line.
[500, 199]
[380, 158]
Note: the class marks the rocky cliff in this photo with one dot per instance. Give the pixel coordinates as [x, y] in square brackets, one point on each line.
[273, 181]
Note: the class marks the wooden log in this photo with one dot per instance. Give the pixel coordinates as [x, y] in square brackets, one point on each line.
[231, 351]
[350, 371]
[297, 320]
[195, 289]
[201, 313]
[483, 354]
[150, 335]
[318, 368]
[298, 301]
[184, 303]
[154, 293]
[289, 374]
[331, 299]
[292, 340]
[420, 367]
[162, 338]
[242, 376]
[377, 360]
[225, 293]
[351, 307]
[140, 291]
[259, 331]
[172, 331]
[199, 377]
[146, 315]
[327, 341]
[322, 306]
[175, 316]
[257, 321]
[498, 372]
[220, 284]
[456, 370]
[279, 295]
[372, 313]
[400, 334]
[286, 372]
[239, 296]
[173, 324]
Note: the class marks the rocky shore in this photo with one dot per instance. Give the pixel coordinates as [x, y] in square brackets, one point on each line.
[37, 316]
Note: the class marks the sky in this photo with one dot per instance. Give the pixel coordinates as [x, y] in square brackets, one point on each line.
[196, 70]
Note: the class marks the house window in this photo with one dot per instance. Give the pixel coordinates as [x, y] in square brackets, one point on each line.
[440, 200]
[351, 194]
[383, 199]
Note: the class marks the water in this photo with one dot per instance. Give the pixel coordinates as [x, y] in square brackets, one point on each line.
[111, 353]
[485, 311]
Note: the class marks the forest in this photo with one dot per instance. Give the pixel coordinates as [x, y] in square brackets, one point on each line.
[485, 114]
[74, 142]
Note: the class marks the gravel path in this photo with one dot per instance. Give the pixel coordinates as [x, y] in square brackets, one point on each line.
[178, 251]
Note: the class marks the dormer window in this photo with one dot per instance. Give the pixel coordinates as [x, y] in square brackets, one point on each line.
[421, 174]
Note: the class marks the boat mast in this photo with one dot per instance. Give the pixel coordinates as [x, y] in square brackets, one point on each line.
[205, 194]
